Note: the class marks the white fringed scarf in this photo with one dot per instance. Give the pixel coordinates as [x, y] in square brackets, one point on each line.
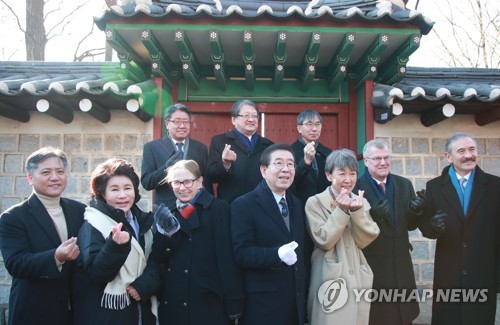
[115, 294]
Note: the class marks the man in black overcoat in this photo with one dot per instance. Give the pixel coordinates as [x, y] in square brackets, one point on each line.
[389, 254]
[38, 244]
[233, 160]
[268, 229]
[465, 203]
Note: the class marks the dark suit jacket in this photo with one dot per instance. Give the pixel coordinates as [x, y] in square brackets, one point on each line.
[467, 253]
[389, 254]
[244, 174]
[274, 290]
[40, 294]
[308, 182]
[155, 161]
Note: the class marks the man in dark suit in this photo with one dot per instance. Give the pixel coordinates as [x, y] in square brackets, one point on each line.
[160, 154]
[233, 160]
[465, 203]
[267, 230]
[38, 243]
[389, 257]
[310, 154]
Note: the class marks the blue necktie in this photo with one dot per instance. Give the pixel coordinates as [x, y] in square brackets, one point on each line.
[179, 147]
[284, 212]
[463, 183]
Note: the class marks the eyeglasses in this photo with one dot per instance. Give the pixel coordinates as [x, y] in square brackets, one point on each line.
[188, 183]
[378, 160]
[281, 165]
[310, 125]
[179, 122]
[247, 117]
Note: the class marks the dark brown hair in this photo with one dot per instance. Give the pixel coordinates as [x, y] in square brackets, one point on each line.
[112, 167]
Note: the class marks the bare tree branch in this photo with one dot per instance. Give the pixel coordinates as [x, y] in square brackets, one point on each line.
[15, 16]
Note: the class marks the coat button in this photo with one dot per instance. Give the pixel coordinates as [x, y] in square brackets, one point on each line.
[186, 271]
[464, 272]
[168, 250]
[464, 245]
[185, 304]
[165, 302]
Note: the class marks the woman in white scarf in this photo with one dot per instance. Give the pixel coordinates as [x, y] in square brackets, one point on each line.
[114, 284]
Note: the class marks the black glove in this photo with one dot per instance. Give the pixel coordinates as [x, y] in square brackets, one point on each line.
[417, 203]
[437, 222]
[174, 158]
[165, 220]
[381, 211]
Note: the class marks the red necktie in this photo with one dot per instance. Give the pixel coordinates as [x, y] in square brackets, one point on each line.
[187, 210]
[382, 186]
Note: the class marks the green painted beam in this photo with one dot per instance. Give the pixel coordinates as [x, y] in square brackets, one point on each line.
[191, 76]
[116, 41]
[308, 76]
[217, 54]
[189, 65]
[154, 48]
[249, 76]
[280, 53]
[342, 55]
[291, 91]
[159, 69]
[258, 28]
[131, 70]
[279, 74]
[313, 48]
[248, 51]
[337, 77]
[394, 68]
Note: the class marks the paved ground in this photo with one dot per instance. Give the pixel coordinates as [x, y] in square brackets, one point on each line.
[424, 318]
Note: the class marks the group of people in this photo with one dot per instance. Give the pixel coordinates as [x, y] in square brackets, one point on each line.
[285, 236]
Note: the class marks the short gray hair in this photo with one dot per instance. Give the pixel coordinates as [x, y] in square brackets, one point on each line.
[454, 137]
[341, 159]
[235, 110]
[377, 143]
[308, 115]
[44, 153]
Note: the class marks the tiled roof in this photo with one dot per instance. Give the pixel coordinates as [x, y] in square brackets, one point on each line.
[451, 90]
[334, 10]
[28, 86]
[49, 86]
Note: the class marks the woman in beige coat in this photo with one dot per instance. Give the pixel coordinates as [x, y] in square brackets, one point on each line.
[340, 226]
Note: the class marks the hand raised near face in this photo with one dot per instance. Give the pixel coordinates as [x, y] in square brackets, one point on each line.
[309, 153]
[119, 236]
[228, 155]
[343, 200]
[357, 202]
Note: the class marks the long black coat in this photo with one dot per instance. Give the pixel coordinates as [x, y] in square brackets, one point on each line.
[155, 156]
[244, 174]
[389, 254]
[467, 253]
[100, 261]
[201, 284]
[40, 293]
[275, 292]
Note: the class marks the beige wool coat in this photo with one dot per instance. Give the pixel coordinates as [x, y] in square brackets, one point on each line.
[338, 265]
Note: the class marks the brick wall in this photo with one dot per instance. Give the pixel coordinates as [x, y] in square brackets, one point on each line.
[417, 150]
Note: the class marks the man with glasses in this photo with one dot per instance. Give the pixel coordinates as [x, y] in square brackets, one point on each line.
[233, 160]
[310, 177]
[268, 230]
[176, 145]
[396, 210]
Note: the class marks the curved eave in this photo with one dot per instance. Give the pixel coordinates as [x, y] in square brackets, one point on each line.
[111, 17]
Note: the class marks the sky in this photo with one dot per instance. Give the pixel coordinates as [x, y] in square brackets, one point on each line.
[62, 46]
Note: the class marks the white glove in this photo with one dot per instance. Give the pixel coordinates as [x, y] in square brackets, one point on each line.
[287, 253]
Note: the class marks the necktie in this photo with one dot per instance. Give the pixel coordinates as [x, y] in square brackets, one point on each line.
[463, 183]
[179, 147]
[284, 212]
[382, 186]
